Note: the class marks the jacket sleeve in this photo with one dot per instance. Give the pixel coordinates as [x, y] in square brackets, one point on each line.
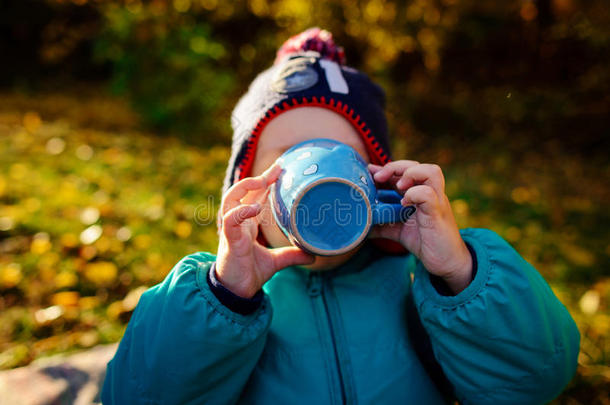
[183, 346]
[504, 339]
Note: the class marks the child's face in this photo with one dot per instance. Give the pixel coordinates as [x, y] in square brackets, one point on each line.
[286, 130]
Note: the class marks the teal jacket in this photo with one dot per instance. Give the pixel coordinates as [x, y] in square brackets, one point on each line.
[341, 336]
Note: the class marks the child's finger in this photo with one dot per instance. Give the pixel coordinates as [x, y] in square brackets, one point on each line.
[396, 167]
[373, 168]
[261, 198]
[240, 189]
[268, 177]
[233, 196]
[424, 197]
[232, 220]
[272, 173]
[428, 174]
[290, 256]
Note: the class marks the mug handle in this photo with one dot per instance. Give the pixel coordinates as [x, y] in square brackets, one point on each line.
[388, 209]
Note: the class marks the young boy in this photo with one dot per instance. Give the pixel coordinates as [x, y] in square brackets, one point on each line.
[233, 328]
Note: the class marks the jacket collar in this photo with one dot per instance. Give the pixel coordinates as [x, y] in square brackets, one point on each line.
[366, 255]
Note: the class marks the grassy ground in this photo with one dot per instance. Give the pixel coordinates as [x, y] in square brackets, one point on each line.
[93, 211]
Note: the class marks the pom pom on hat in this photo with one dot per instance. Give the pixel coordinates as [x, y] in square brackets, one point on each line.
[313, 39]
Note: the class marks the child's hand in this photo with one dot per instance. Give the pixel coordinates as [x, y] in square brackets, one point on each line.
[242, 264]
[432, 233]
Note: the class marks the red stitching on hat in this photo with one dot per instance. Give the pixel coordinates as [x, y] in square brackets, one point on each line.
[376, 154]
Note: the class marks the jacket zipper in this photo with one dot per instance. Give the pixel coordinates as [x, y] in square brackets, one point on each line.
[334, 340]
[319, 289]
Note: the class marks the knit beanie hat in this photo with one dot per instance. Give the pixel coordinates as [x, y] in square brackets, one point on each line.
[309, 70]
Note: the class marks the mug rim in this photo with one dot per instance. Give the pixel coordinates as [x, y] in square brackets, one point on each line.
[330, 252]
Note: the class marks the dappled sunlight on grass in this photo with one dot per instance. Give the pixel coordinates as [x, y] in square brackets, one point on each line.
[87, 218]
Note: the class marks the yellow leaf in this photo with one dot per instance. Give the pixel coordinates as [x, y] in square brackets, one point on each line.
[101, 273]
[460, 207]
[65, 279]
[154, 259]
[31, 121]
[103, 244]
[89, 302]
[31, 204]
[183, 229]
[46, 274]
[10, 275]
[520, 195]
[15, 356]
[114, 310]
[40, 244]
[65, 298]
[69, 240]
[143, 241]
[18, 171]
[48, 260]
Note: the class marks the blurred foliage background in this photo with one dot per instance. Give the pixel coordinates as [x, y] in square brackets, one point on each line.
[115, 126]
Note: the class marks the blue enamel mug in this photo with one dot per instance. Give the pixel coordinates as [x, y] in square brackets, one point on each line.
[325, 200]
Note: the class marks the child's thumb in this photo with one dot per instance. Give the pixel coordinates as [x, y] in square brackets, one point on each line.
[290, 256]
